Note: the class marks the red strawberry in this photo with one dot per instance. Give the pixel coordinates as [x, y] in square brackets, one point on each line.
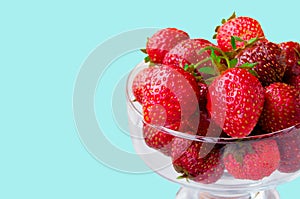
[281, 108]
[202, 124]
[162, 42]
[139, 81]
[253, 160]
[292, 57]
[289, 148]
[203, 89]
[158, 139]
[235, 101]
[245, 28]
[169, 98]
[268, 58]
[174, 89]
[187, 52]
[294, 80]
[196, 162]
[212, 168]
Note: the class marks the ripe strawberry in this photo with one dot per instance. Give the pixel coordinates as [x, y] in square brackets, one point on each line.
[253, 160]
[268, 58]
[187, 52]
[201, 123]
[174, 89]
[212, 168]
[169, 98]
[281, 108]
[289, 148]
[139, 81]
[162, 42]
[245, 28]
[235, 101]
[159, 140]
[195, 161]
[291, 51]
[294, 81]
[203, 89]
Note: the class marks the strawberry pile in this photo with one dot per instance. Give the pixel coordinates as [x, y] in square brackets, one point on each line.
[244, 85]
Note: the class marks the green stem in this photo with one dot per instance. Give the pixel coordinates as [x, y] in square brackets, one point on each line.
[220, 51]
[201, 62]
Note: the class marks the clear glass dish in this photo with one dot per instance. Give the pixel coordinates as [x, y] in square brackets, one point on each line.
[226, 186]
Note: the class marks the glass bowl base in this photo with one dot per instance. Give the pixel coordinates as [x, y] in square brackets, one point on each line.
[187, 193]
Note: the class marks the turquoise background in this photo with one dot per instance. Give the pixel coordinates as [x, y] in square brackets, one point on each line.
[42, 46]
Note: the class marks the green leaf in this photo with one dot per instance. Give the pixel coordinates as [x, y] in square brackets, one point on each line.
[210, 80]
[248, 65]
[253, 72]
[233, 44]
[232, 16]
[144, 50]
[218, 59]
[186, 66]
[298, 62]
[214, 36]
[214, 57]
[238, 39]
[233, 63]
[207, 70]
[217, 28]
[253, 40]
[181, 177]
[147, 59]
[213, 54]
[223, 21]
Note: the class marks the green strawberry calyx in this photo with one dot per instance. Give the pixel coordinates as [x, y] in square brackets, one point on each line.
[217, 60]
[185, 175]
[222, 22]
[239, 150]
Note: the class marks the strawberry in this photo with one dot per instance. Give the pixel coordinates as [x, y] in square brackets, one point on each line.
[139, 81]
[268, 59]
[244, 28]
[294, 81]
[251, 160]
[175, 89]
[289, 148]
[281, 108]
[212, 168]
[235, 101]
[201, 123]
[162, 42]
[203, 89]
[195, 161]
[158, 139]
[170, 97]
[292, 58]
[187, 52]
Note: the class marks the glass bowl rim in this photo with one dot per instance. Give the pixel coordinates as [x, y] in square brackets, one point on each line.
[198, 138]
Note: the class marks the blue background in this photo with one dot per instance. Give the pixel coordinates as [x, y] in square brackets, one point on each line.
[42, 46]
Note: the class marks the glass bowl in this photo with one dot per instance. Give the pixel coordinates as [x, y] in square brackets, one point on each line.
[215, 181]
